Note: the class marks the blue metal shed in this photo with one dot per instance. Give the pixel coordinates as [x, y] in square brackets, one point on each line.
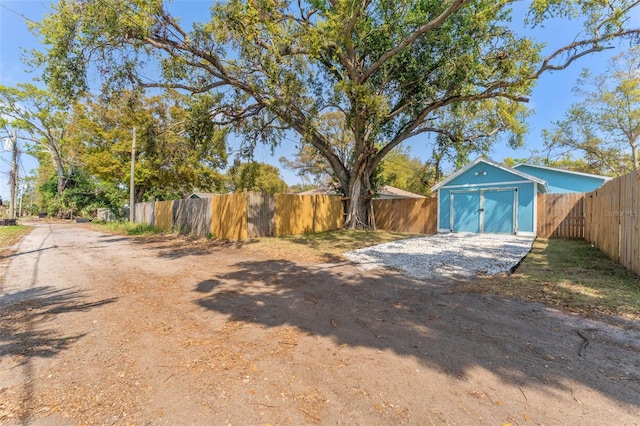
[562, 181]
[488, 197]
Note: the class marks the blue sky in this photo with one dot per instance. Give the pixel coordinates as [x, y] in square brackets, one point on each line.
[550, 99]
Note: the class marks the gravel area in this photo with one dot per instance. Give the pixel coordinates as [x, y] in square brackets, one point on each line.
[446, 255]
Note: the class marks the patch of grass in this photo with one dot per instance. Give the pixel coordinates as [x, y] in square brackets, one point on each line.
[9, 235]
[570, 275]
[321, 247]
[127, 228]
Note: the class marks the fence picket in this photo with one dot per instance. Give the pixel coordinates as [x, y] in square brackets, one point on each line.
[561, 216]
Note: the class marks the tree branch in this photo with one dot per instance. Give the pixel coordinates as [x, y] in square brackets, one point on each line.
[434, 23]
[546, 63]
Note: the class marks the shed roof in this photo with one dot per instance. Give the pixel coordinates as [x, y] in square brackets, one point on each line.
[202, 195]
[389, 191]
[555, 169]
[523, 175]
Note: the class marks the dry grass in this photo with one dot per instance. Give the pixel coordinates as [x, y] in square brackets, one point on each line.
[322, 247]
[125, 228]
[10, 235]
[569, 275]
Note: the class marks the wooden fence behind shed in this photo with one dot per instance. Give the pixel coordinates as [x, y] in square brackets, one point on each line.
[561, 216]
[613, 220]
[411, 215]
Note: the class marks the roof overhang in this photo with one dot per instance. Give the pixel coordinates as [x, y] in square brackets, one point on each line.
[542, 184]
[555, 169]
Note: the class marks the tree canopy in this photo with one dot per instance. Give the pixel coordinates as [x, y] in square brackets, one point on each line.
[605, 125]
[42, 121]
[459, 69]
[178, 149]
[255, 176]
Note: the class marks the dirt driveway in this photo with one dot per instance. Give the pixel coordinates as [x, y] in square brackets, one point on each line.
[103, 329]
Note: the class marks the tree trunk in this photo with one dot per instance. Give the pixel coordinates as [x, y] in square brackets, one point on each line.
[60, 175]
[360, 201]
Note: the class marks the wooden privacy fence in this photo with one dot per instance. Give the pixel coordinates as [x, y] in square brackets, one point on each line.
[254, 214]
[244, 215]
[561, 216]
[613, 220]
[304, 214]
[415, 215]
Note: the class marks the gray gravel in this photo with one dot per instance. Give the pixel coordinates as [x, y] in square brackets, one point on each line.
[446, 255]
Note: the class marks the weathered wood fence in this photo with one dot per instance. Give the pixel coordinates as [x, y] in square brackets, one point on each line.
[608, 217]
[244, 215]
[247, 215]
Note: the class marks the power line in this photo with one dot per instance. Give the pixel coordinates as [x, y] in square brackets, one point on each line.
[22, 15]
[5, 160]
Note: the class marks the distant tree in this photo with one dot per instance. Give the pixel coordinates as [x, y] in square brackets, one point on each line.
[403, 171]
[301, 187]
[43, 121]
[255, 176]
[309, 163]
[604, 127]
[178, 148]
[82, 195]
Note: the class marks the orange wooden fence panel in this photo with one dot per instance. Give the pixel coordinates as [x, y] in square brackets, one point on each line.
[304, 214]
[163, 215]
[229, 216]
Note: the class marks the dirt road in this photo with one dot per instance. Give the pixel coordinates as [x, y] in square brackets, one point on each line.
[109, 330]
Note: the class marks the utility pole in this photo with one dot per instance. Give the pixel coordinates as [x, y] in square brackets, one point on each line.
[14, 176]
[132, 189]
[24, 184]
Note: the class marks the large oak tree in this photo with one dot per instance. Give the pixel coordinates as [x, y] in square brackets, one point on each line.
[396, 69]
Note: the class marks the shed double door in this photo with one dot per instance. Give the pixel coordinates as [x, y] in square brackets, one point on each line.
[486, 211]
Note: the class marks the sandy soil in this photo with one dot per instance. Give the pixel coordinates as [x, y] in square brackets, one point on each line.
[108, 330]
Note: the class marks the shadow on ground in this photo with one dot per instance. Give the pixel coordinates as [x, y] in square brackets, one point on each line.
[171, 248]
[26, 333]
[522, 343]
[24, 316]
